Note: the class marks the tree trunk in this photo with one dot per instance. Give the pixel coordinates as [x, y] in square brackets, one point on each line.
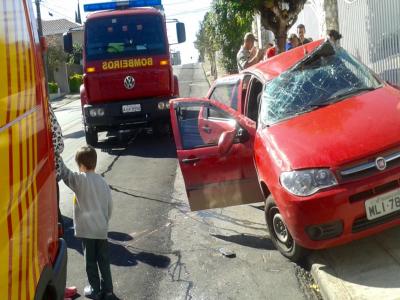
[282, 35]
[331, 14]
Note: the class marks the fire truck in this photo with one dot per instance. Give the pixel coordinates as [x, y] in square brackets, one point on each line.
[128, 78]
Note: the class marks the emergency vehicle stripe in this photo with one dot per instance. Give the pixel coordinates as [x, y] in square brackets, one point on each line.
[9, 92]
[4, 155]
[28, 68]
[19, 156]
[33, 165]
[26, 174]
[8, 62]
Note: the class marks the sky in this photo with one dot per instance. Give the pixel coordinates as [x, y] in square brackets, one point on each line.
[190, 12]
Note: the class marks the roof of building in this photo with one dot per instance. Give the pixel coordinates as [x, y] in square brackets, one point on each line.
[51, 27]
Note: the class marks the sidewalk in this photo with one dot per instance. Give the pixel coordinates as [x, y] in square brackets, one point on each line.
[365, 269]
[57, 103]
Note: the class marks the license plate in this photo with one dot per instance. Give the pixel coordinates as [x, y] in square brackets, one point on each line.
[131, 108]
[383, 205]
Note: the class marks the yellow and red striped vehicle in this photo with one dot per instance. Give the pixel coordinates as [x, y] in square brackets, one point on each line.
[33, 257]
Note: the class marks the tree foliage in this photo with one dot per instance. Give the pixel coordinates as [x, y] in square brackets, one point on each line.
[230, 25]
[224, 26]
[276, 15]
[222, 30]
[55, 53]
[205, 42]
[76, 56]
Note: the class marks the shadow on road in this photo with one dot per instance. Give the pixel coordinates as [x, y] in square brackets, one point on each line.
[120, 254]
[75, 135]
[252, 241]
[142, 145]
[119, 236]
[69, 237]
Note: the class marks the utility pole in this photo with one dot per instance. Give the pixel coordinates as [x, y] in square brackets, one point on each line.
[39, 18]
[40, 32]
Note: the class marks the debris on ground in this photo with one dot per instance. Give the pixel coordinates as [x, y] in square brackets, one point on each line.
[227, 253]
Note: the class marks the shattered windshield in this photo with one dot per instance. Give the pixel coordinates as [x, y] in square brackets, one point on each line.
[326, 76]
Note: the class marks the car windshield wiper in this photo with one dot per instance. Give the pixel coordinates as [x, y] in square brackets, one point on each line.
[337, 96]
[351, 92]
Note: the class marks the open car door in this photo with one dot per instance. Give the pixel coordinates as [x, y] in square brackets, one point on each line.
[215, 154]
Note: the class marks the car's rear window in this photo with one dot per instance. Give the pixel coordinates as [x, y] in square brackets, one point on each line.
[328, 75]
[124, 36]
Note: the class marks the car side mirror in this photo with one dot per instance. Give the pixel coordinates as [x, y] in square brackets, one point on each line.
[225, 141]
[68, 47]
[242, 135]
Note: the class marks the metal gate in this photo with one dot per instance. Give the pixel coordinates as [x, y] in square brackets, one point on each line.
[371, 32]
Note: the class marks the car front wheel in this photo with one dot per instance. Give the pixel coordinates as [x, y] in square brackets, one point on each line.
[279, 233]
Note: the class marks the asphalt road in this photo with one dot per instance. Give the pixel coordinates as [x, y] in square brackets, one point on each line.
[158, 248]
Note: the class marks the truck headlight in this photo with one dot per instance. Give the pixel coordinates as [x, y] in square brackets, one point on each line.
[96, 112]
[161, 105]
[307, 182]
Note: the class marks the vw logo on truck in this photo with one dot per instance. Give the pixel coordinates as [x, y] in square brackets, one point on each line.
[129, 82]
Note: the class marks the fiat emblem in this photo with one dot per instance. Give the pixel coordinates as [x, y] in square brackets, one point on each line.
[380, 163]
[129, 82]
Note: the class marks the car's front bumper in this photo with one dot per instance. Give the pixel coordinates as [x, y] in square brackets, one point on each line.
[342, 206]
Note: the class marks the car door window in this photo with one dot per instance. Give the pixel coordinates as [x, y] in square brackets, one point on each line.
[201, 125]
[226, 93]
[253, 99]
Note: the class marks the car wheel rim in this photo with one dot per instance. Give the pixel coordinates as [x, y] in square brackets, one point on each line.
[280, 228]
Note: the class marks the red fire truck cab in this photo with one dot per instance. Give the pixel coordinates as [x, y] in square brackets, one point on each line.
[128, 78]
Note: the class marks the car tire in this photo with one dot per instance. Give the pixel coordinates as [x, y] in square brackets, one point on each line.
[279, 233]
[91, 137]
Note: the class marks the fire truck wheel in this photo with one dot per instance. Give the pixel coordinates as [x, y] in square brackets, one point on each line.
[91, 137]
[279, 233]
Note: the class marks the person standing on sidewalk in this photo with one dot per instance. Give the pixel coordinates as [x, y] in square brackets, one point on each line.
[248, 55]
[301, 31]
[92, 212]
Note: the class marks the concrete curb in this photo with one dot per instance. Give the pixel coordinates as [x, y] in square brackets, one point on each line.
[331, 287]
[60, 102]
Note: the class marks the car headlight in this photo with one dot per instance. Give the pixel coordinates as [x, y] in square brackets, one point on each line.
[307, 182]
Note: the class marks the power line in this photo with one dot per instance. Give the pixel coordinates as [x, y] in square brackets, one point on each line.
[55, 11]
[189, 12]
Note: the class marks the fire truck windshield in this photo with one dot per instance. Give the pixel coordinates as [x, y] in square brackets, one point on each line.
[125, 36]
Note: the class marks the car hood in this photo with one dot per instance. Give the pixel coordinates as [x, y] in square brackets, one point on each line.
[354, 128]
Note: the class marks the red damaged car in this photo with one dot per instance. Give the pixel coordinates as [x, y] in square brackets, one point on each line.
[312, 132]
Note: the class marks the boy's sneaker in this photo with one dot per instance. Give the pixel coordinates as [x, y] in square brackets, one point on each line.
[89, 293]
